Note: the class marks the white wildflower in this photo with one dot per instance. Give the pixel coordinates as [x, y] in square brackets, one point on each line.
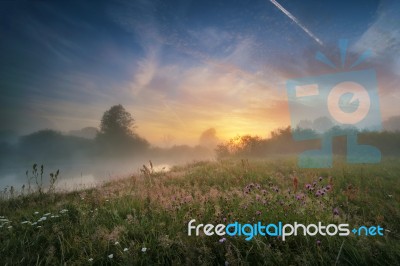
[144, 250]
[111, 256]
[125, 249]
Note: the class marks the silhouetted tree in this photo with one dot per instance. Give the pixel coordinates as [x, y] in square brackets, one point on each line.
[116, 135]
[52, 145]
[117, 122]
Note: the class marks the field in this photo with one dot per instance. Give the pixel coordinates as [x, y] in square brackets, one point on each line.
[142, 220]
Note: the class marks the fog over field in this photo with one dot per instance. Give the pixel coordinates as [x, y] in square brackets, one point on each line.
[92, 155]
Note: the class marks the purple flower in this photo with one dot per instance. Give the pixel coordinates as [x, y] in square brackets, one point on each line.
[318, 193]
[258, 213]
[308, 186]
[222, 240]
[299, 197]
[335, 211]
[318, 242]
[328, 187]
[320, 178]
[314, 183]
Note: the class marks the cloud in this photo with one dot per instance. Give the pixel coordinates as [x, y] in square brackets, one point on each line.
[144, 73]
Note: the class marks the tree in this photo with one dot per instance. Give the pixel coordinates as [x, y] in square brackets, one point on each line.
[117, 122]
[116, 135]
[209, 138]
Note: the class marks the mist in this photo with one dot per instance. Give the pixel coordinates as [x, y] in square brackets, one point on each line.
[88, 156]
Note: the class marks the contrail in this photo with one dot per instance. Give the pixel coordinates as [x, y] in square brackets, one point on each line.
[287, 13]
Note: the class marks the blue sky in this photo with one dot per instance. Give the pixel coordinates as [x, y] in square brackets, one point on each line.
[180, 67]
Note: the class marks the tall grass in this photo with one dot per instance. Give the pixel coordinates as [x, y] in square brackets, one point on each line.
[142, 220]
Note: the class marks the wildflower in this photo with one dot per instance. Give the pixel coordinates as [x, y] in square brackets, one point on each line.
[35, 223]
[308, 186]
[111, 256]
[25, 222]
[318, 242]
[144, 250]
[390, 196]
[222, 240]
[125, 249]
[328, 187]
[258, 212]
[46, 214]
[36, 213]
[39, 226]
[91, 259]
[335, 211]
[116, 243]
[299, 197]
[314, 183]
[9, 227]
[320, 178]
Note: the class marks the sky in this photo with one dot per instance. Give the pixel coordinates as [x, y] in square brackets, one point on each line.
[182, 67]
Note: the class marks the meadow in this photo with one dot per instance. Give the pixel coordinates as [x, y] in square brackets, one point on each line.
[142, 219]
